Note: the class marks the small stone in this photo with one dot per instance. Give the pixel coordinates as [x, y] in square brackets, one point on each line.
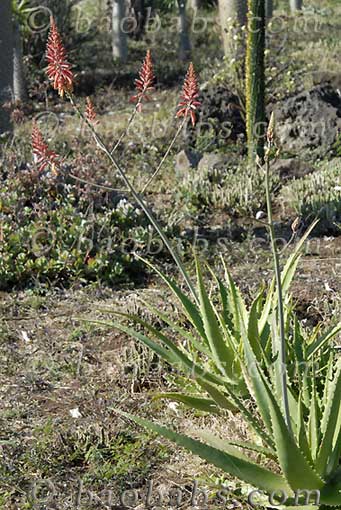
[260, 215]
[75, 413]
[291, 168]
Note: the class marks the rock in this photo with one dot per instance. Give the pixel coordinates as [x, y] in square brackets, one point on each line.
[291, 168]
[212, 161]
[186, 160]
[220, 119]
[222, 112]
[310, 121]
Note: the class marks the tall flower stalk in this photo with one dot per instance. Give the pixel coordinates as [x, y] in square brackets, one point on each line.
[188, 106]
[100, 143]
[144, 86]
[144, 83]
[190, 96]
[282, 346]
[62, 78]
[90, 112]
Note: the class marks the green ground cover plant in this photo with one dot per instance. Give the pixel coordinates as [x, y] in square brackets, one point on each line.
[317, 195]
[55, 230]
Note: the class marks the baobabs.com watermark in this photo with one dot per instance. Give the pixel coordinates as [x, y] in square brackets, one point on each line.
[45, 492]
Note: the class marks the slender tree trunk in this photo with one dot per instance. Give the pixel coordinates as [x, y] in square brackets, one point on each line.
[19, 83]
[232, 13]
[255, 80]
[185, 43]
[269, 8]
[6, 62]
[296, 5]
[119, 35]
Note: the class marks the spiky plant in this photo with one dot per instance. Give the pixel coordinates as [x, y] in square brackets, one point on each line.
[255, 79]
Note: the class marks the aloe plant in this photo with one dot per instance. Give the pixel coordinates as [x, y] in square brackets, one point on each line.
[231, 355]
[238, 353]
[261, 353]
[212, 351]
[307, 460]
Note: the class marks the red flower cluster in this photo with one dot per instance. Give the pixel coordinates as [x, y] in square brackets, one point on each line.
[58, 69]
[189, 96]
[145, 81]
[90, 112]
[43, 156]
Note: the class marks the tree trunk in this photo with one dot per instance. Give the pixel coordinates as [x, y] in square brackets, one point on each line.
[255, 80]
[19, 83]
[119, 34]
[185, 43]
[296, 5]
[269, 8]
[6, 62]
[232, 13]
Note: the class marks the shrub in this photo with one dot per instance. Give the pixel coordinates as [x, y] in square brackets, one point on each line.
[54, 229]
[239, 191]
[317, 195]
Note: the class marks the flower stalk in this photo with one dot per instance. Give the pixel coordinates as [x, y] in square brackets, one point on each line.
[60, 74]
[100, 143]
[189, 97]
[188, 106]
[282, 350]
[44, 157]
[165, 156]
[144, 85]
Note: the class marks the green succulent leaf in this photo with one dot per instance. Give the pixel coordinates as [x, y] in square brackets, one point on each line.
[331, 424]
[233, 464]
[223, 354]
[324, 339]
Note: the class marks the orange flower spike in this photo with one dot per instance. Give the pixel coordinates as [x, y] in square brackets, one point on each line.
[43, 156]
[58, 69]
[189, 96]
[145, 82]
[90, 112]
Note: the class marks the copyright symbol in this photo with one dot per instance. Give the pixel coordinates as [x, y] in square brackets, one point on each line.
[42, 242]
[38, 19]
[42, 491]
